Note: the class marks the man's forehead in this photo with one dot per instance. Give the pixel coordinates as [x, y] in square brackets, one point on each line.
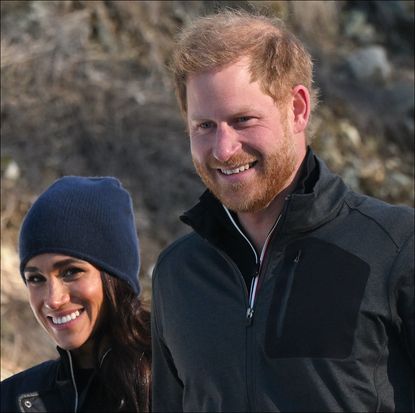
[241, 62]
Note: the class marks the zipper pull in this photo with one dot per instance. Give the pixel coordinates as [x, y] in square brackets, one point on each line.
[251, 299]
[249, 316]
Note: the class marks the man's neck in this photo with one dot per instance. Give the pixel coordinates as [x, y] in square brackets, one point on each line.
[258, 224]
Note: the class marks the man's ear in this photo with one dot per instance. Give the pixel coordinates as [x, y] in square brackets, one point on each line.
[300, 107]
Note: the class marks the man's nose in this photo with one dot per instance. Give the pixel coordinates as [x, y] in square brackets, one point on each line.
[57, 294]
[226, 143]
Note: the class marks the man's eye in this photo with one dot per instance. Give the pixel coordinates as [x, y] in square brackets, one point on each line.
[205, 125]
[34, 279]
[242, 119]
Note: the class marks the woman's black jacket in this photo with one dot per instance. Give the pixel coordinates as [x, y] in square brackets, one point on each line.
[51, 387]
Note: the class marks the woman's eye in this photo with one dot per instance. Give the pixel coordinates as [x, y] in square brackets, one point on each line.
[34, 279]
[71, 272]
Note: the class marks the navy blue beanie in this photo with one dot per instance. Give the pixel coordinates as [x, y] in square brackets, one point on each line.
[88, 218]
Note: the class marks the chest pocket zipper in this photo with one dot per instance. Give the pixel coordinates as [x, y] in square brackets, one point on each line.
[284, 304]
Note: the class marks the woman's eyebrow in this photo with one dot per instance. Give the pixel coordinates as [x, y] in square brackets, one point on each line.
[65, 262]
[31, 269]
[56, 265]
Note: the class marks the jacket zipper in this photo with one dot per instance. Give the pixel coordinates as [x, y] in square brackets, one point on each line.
[255, 279]
[258, 260]
[73, 380]
[253, 292]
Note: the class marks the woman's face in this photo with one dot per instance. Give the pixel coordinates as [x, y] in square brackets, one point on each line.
[67, 297]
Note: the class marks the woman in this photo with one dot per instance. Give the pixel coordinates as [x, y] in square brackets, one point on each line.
[79, 259]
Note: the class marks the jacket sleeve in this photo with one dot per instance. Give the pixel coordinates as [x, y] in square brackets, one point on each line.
[402, 296]
[167, 388]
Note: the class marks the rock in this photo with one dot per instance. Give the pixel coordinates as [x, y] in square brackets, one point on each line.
[393, 19]
[399, 179]
[350, 177]
[373, 171]
[357, 27]
[350, 133]
[369, 63]
[398, 106]
[399, 187]
[12, 171]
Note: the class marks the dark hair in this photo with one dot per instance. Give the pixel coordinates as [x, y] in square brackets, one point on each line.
[127, 372]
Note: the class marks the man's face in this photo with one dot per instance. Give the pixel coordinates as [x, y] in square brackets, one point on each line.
[241, 142]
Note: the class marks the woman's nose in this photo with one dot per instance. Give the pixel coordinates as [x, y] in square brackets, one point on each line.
[226, 143]
[57, 295]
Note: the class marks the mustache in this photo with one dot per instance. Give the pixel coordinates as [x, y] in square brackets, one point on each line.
[233, 162]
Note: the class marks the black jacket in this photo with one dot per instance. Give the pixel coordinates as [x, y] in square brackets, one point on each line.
[332, 325]
[51, 387]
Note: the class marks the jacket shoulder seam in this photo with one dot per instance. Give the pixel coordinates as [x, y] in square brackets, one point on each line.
[379, 224]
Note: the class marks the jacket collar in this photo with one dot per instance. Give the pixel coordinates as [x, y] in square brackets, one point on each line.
[316, 200]
[65, 379]
[307, 211]
[64, 371]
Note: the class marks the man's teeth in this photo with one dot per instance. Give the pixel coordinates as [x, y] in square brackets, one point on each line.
[66, 318]
[236, 170]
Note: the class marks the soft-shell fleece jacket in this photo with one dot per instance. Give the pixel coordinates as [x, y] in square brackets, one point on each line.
[51, 387]
[332, 325]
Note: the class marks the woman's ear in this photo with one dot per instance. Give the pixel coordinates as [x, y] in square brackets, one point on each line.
[300, 107]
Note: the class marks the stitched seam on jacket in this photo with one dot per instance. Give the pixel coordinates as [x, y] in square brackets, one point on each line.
[390, 278]
[374, 220]
[374, 377]
[393, 292]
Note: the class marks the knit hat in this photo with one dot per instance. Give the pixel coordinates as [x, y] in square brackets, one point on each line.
[88, 218]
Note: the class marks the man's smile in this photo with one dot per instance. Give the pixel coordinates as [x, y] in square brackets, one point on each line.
[238, 169]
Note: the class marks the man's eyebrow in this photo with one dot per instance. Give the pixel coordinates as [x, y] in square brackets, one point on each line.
[244, 111]
[241, 112]
[57, 265]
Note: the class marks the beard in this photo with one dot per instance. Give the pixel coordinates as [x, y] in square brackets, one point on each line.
[271, 176]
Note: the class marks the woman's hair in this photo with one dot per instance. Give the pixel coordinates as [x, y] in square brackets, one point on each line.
[127, 371]
[277, 59]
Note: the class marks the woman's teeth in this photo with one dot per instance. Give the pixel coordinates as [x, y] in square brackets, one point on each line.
[66, 318]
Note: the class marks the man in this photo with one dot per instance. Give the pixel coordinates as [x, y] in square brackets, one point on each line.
[292, 293]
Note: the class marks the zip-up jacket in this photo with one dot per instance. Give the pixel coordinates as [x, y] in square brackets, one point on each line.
[51, 387]
[321, 321]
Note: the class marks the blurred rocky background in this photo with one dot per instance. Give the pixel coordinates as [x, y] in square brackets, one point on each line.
[85, 90]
